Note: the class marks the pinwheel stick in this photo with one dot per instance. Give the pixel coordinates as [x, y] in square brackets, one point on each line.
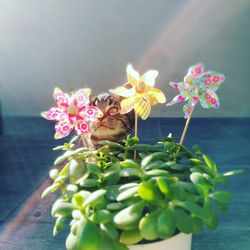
[84, 141]
[136, 130]
[185, 129]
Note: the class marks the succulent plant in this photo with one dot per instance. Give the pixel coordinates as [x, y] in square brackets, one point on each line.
[114, 200]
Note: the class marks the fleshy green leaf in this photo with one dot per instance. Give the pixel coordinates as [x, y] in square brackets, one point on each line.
[50, 189]
[88, 236]
[110, 230]
[195, 209]
[153, 156]
[127, 194]
[148, 192]
[212, 221]
[129, 214]
[62, 208]
[94, 197]
[148, 226]
[129, 164]
[58, 225]
[163, 185]
[184, 221]
[130, 237]
[222, 196]
[210, 163]
[101, 216]
[166, 224]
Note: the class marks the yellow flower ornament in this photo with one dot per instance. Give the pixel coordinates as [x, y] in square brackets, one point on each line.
[139, 92]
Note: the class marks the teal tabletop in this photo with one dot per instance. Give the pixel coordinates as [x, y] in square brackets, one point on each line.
[26, 157]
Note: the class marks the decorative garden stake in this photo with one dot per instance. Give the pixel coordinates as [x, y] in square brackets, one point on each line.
[197, 86]
[72, 112]
[139, 94]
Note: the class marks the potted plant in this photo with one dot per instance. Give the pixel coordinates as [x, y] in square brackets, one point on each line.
[129, 195]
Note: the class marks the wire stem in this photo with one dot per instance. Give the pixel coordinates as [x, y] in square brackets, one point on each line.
[136, 130]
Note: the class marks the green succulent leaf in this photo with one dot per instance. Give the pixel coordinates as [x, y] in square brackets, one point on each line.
[148, 192]
[222, 196]
[163, 185]
[112, 144]
[93, 197]
[102, 216]
[119, 246]
[106, 243]
[127, 193]
[195, 209]
[128, 186]
[88, 236]
[62, 208]
[212, 221]
[197, 224]
[184, 221]
[129, 214]
[88, 183]
[93, 169]
[153, 156]
[115, 206]
[130, 237]
[126, 172]
[157, 172]
[110, 230]
[148, 226]
[50, 189]
[166, 224]
[129, 164]
[234, 172]
[71, 242]
[211, 164]
[59, 225]
[141, 147]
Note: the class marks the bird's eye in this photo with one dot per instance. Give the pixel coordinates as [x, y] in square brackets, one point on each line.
[113, 110]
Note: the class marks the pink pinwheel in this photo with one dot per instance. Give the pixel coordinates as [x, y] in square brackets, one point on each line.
[72, 112]
[198, 86]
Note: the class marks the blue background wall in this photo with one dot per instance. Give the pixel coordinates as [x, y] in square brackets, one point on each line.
[88, 43]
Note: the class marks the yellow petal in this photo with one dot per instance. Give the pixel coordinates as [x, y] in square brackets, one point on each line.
[156, 96]
[149, 77]
[57, 90]
[122, 91]
[133, 75]
[127, 104]
[143, 108]
[87, 91]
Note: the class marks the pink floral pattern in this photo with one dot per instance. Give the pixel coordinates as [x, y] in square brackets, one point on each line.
[198, 86]
[72, 112]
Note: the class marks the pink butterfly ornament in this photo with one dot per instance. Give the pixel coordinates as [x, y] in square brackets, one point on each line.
[72, 112]
[198, 86]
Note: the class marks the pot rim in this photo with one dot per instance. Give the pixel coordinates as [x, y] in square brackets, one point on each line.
[180, 234]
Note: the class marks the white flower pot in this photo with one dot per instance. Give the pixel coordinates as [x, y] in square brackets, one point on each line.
[180, 241]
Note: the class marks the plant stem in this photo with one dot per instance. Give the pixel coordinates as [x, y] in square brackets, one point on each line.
[185, 128]
[136, 130]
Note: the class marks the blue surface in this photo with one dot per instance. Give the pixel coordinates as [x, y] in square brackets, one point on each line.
[26, 157]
